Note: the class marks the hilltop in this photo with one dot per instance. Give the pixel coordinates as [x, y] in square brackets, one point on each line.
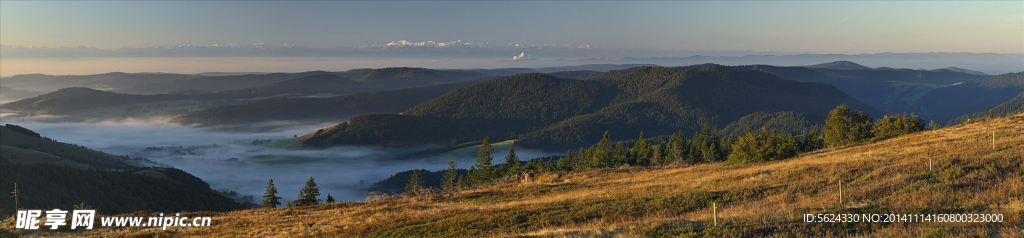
[950, 170]
[840, 65]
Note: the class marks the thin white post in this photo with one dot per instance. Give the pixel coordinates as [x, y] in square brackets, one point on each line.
[714, 208]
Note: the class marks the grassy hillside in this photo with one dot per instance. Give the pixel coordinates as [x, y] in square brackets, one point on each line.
[542, 111]
[966, 175]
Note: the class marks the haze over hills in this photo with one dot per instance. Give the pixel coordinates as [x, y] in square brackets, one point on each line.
[541, 110]
[699, 200]
[60, 175]
[302, 85]
[888, 90]
[10, 94]
[331, 109]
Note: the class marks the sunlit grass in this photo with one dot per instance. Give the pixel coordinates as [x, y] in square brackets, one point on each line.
[892, 176]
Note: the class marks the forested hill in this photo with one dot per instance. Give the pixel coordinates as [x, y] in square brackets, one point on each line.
[971, 96]
[1014, 106]
[70, 100]
[53, 174]
[303, 85]
[403, 77]
[334, 108]
[540, 110]
[887, 90]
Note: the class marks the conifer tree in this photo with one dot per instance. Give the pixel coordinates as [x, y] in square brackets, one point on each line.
[601, 156]
[484, 168]
[270, 198]
[308, 195]
[449, 177]
[642, 150]
[329, 198]
[415, 183]
[512, 167]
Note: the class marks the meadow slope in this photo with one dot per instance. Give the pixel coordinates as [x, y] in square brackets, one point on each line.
[967, 175]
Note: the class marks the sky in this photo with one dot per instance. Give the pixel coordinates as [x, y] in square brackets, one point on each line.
[792, 26]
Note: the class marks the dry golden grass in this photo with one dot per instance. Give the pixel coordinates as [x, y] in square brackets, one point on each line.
[769, 199]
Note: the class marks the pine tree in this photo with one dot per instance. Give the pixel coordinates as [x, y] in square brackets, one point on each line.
[484, 168]
[270, 198]
[448, 183]
[601, 157]
[329, 198]
[310, 194]
[415, 183]
[512, 167]
[642, 151]
[990, 114]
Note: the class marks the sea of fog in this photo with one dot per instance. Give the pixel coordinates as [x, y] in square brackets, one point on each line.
[230, 160]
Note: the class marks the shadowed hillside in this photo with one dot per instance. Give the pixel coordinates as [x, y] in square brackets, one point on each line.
[1014, 106]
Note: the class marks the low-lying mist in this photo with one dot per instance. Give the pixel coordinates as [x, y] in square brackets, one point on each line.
[243, 160]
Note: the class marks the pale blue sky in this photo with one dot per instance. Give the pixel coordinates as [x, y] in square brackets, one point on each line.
[795, 26]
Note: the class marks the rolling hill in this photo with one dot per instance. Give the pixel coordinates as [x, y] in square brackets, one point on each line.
[333, 108]
[944, 104]
[87, 104]
[948, 171]
[545, 111]
[840, 65]
[10, 94]
[302, 85]
[886, 90]
[1014, 106]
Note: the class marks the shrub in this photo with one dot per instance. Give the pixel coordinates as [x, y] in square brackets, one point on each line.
[845, 126]
[897, 125]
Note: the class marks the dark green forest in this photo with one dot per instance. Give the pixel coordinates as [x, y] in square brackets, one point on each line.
[542, 111]
[42, 186]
